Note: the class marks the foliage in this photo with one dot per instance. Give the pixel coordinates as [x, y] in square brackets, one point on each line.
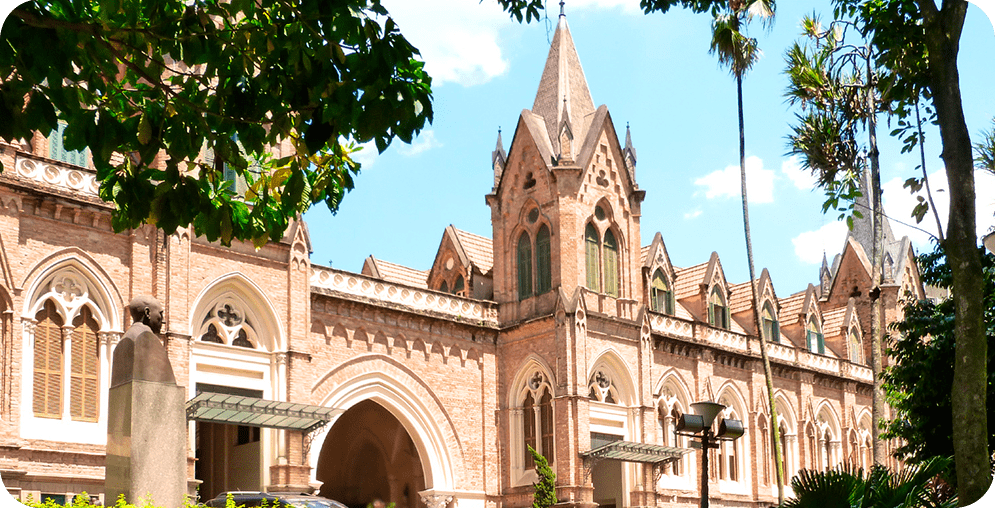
[830, 80]
[82, 500]
[150, 86]
[849, 487]
[545, 488]
[984, 150]
[919, 383]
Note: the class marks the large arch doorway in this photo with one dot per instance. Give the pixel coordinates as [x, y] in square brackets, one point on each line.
[368, 455]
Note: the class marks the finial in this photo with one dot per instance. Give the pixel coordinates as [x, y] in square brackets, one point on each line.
[499, 130]
[561, 8]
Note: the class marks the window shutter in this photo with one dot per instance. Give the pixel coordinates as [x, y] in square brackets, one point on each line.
[524, 266]
[544, 275]
[711, 314]
[726, 318]
[822, 343]
[592, 249]
[546, 420]
[611, 264]
[776, 335]
[808, 340]
[670, 303]
[47, 383]
[529, 429]
[84, 401]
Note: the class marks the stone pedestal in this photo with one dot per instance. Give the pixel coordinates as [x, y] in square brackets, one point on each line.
[288, 478]
[146, 444]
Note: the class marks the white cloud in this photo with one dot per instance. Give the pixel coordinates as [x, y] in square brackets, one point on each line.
[898, 204]
[802, 178]
[458, 39]
[693, 213]
[810, 246]
[725, 183]
[367, 154]
[624, 6]
[425, 141]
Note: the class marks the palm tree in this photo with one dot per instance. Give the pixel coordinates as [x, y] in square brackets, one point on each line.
[847, 487]
[838, 84]
[739, 52]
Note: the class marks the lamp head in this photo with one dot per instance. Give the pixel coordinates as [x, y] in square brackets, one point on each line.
[690, 423]
[708, 411]
[989, 241]
[730, 429]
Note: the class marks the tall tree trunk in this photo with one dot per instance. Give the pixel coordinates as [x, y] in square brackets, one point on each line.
[775, 442]
[925, 177]
[970, 416]
[877, 277]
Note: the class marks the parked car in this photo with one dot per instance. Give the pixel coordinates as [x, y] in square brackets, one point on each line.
[251, 499]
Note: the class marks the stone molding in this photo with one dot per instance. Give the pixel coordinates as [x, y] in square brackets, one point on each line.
[48, 173]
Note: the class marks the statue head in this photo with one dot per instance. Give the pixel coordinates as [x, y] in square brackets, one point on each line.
[147, 310]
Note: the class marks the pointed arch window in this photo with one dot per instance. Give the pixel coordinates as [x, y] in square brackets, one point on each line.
[444, 287]
[524, 266]
[854, 346]
[782, 433]
[718, 313]
[459, 286]
[772, 331]
[84, 381]
[661, 297]
[57, 150]
[48, 358]
[814, 340]
[592, 257]
[544, 272]
[546, 425]
[529, 429]
[611, 264]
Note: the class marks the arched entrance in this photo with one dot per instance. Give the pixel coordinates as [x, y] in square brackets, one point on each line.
[368, 455]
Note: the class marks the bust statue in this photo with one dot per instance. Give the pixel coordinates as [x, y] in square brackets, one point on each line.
[140, 354]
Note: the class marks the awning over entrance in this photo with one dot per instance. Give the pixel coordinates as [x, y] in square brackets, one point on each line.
[255, 412]
[628, 451]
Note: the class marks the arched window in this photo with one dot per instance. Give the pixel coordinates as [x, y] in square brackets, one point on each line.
[814, 340]
[544, 273]
[228, 324]
[459, 286]
[611, 264]
[524, 266]
[601, 388]
[718, 313]
[537, 424]
[592, 257]
[675, 416]
[84, 378]
[546, 425]
[529, 429]
[661, 297]
[855, 349]
[782, 432]
[766, 451]
[772, 330]
[729, 453]
[47, 396]
[444, 287]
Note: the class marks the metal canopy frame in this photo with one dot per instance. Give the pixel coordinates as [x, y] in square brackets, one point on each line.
[255, 412]
[628, 451]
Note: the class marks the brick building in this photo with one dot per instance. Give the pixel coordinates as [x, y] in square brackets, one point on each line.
[561, 332]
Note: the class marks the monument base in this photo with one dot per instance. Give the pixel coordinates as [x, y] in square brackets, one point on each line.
[288, 478]
[146, 444]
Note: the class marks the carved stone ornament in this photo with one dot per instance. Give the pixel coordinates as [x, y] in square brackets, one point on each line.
[536, 380]
[228, 314]
[69, 287]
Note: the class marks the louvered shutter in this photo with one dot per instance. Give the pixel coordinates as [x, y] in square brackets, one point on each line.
[591, 255]
[544, 272]
[546, 420]
[524, 266]
[529, 429]
[611, 264]
[84, 381]
[47, 389]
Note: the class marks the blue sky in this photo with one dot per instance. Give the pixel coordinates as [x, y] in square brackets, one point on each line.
[654, 72]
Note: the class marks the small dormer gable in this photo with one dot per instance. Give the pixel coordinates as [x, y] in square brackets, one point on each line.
[659, 277]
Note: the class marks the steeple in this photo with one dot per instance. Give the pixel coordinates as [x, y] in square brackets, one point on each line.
[863, 227]
[563, 87]
[498, 159]
[629, 153]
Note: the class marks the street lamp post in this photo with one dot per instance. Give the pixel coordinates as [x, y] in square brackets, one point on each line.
[698, 425]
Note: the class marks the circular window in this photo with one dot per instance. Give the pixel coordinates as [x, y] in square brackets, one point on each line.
[599, 213]
[533, 215]
[449, 263]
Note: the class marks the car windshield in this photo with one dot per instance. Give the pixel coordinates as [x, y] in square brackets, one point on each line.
[309, 503]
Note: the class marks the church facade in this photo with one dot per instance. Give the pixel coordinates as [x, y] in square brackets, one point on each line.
[560, 332]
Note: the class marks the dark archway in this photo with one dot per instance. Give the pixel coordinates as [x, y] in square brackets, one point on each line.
[367, 456]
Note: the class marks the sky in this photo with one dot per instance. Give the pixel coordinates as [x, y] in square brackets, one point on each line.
[655, 74]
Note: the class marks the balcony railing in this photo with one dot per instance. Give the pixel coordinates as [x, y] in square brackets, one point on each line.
[419, 300]
[54, 174]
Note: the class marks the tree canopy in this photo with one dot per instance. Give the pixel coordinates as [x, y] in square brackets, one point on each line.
[919, 383]
[150, 87]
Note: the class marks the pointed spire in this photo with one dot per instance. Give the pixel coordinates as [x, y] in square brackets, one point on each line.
[629, 151]
[563, 86]
[498, 159]
[863, 227]
[561, 9]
